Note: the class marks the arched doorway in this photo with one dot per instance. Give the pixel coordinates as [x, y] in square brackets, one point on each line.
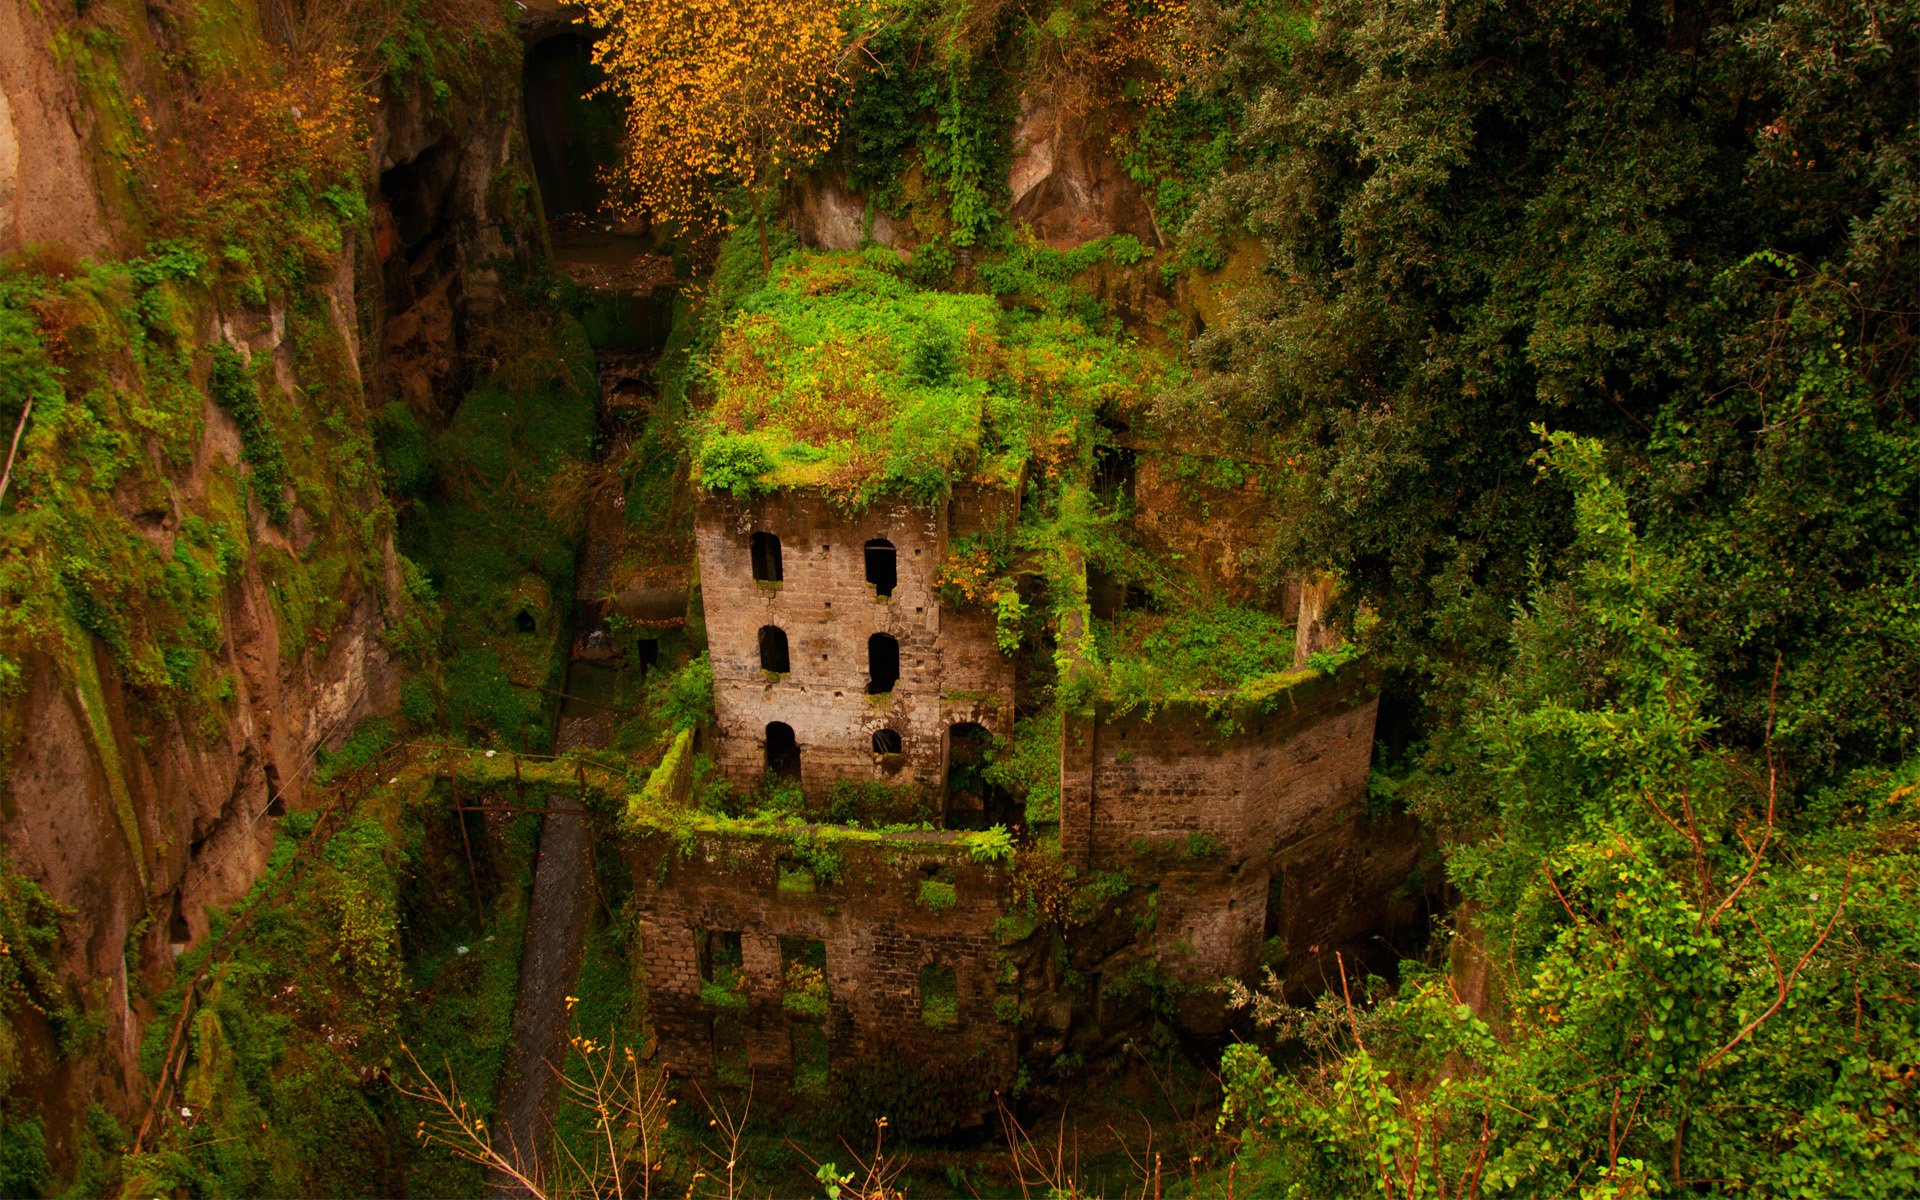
[783, 751]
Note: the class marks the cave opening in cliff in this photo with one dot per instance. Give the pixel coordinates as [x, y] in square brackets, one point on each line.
[570, 129]
[179, 931]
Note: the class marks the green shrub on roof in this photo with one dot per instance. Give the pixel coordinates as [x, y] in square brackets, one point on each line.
[840, 374]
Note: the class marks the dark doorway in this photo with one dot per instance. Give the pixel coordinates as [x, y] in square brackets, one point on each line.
[524, 622]
[783, 751]
[883, 664]
[773, 650]
[881, 566]
[766, 558]
[967, 746]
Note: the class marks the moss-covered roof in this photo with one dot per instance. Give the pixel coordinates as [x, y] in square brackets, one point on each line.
[1198, 653]
[839, 374]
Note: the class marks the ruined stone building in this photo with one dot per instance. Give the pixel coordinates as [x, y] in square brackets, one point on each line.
[1198, 834]
[833, 656]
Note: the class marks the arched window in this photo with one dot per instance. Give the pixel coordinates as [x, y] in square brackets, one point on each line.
[783, 751]
[773, 650]
[766, 557]
[880, 567]
[887, 741]
[883, 664]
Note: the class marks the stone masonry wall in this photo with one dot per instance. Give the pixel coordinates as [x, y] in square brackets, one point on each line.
[1214, 820]
[950, 671]
[877, 938]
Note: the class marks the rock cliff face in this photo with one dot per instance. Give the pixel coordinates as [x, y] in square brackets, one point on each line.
[134, 812]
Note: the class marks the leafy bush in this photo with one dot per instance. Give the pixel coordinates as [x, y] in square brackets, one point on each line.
[991, 845]
[936, 895]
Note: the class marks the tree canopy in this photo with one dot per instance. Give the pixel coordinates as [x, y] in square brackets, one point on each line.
[720, 95]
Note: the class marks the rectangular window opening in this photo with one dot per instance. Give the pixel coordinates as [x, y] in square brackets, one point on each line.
[939, 997]
[803, 978]
[812, 1072]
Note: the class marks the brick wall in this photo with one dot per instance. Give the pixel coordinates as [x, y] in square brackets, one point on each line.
[950, 670]
[877, 936]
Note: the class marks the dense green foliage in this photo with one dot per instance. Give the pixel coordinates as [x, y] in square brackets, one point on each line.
[1670, 682]
[1700, 977]
[839, 374]
[315, 998]
[1690, 237]
[492, 545]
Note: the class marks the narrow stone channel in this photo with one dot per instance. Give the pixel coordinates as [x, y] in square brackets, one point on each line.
[561, 907]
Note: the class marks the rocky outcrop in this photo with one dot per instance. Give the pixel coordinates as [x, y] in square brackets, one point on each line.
[1066, 184]
[828, 217]
[137, 814]
[47, 189]
[444, 233]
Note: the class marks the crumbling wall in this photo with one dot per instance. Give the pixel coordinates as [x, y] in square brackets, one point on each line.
[1250, 824]
[950, 671]
[879, 932]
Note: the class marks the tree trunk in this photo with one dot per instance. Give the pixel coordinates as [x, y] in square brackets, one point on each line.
[760, 218]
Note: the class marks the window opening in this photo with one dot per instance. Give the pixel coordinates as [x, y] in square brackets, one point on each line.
[783, 751]
[766, 558]
[887, 741]
[803, 977]
[883, 664]
[939, 997]
[730, 1061]
[773, 650]
[1270, 928]
[968, 792]
[812, 1072]
[524, 622]
[881, 567]
[720, 957]
[649, 654]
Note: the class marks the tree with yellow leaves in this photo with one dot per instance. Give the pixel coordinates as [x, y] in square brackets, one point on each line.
[720, 94]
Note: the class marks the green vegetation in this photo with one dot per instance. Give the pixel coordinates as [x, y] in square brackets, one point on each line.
[936, 895]
[234, 390]
[804, 979]
[1028, 766]
[315, 992]
[1727, 958]
[491, 545]
[1196, 653]
[877, 804]
[839, 374]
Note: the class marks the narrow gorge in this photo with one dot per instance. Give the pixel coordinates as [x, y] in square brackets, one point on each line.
[958, 598]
